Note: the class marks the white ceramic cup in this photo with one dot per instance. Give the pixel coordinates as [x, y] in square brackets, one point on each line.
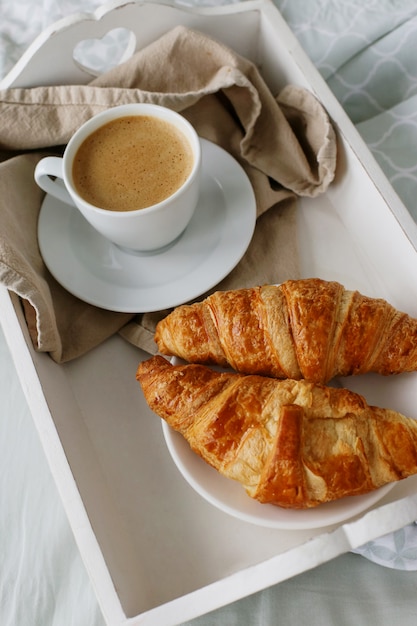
[144, 230]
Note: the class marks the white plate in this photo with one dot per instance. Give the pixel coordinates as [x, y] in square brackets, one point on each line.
[98, 272]
[230, 497]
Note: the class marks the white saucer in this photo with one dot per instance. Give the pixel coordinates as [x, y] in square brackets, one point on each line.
[100, 273]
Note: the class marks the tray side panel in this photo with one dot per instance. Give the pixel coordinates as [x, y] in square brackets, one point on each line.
[46, 390]
[50, 59]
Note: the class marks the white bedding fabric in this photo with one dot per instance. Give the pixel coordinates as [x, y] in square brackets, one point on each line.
[359, 48]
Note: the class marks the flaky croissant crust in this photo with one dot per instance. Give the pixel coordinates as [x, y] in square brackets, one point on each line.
[290, 443]
[310, 328]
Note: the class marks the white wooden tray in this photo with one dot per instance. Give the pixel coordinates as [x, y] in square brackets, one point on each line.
[156, 552]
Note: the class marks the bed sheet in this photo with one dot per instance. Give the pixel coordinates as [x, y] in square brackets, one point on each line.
[366, 52]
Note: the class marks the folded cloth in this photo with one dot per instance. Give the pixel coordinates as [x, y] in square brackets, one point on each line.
[286, 144]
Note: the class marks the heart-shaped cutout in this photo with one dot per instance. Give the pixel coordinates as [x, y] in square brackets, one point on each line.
[96, 56]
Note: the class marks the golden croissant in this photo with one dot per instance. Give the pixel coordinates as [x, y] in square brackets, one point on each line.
[311, 329]
[291, 443]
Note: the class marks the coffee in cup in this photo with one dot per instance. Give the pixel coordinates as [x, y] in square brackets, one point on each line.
[132, 163]
[133, 171]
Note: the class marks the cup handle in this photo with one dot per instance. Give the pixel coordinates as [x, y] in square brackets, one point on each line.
[45, 169]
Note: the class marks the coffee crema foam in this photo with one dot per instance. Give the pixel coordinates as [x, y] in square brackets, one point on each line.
[131, 163]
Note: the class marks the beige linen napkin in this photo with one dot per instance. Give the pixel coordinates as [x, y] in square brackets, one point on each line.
[285, 143]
